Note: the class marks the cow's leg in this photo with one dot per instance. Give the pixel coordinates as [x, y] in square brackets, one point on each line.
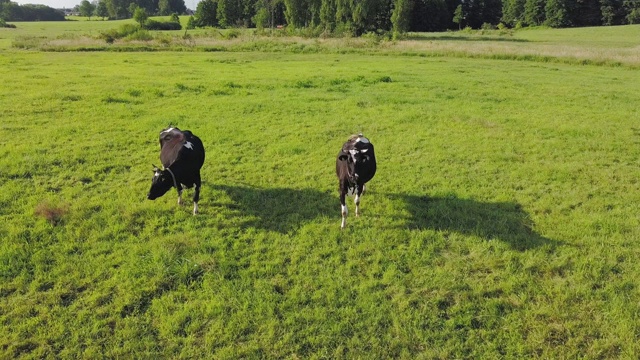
[196, 197]
[179, 195]
[343, 207]
[359, 192]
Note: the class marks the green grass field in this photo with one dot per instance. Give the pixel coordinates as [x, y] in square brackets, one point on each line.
[502, 223]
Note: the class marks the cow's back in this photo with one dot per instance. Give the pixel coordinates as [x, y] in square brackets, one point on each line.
[193, 154]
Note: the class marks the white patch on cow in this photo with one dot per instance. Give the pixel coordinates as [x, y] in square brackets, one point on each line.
[344, 210]
[195, 208]
[363, 140]
[353, 153]
[168, 131]
[188, 145]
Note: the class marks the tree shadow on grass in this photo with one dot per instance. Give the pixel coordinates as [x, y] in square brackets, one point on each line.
[278, 209]
[505, 221]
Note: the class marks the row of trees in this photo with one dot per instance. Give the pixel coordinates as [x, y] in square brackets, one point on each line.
[112, 9]
[359, 16]
[10, 11]
[570, 13]
[123, 9]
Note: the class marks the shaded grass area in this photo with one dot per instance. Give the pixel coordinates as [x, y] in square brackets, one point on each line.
[502, 221]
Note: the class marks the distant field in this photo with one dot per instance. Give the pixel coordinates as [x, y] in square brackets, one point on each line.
[617, 45]
[503, 221]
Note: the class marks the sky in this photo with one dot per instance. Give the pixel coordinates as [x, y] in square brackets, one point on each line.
[69, 4]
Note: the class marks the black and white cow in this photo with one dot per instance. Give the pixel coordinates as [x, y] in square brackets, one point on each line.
[355, 165]
[182, 156]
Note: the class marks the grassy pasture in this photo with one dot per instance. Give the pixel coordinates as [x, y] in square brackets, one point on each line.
[612, 46]
[502, 223]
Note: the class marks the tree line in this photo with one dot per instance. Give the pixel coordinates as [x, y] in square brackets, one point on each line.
[122, 9]
[110, 9]
[357, 17]
[360, 16]
[125, 9]
[11, 11]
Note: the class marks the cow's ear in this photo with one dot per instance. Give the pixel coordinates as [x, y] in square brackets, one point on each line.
[343, 157]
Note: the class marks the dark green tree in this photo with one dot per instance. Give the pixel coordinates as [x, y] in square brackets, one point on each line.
[632, 11]
[140, 16]
[191, 24]
[101, 10]
[29, 12]
[178, 6]
[557, 13]
[612, 12]
[401, 17]
[478, 12]
[150, 5]
[229, 13]
[295, 13]
[168, 7]
[328, 15]
[431, 15]
[118, 9]
[206, 13]
[132, 9]
[366, 14]
[12, 12]
[343, 15]
[266, 12]
[513, 12]
[86, 8]
[248, 11]
[534, 14]
[261, 19]
[458, 16]
[585, 13]
[313, 13]
[164, 7]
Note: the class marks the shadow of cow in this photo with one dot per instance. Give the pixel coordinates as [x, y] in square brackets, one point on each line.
[505, 221]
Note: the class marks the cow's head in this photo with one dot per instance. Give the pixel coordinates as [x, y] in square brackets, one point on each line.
[358, 152]
[161, 183]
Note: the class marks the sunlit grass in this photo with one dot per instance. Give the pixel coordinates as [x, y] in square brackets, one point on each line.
[502, 223]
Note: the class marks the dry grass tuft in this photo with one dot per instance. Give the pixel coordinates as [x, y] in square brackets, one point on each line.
[51, 212]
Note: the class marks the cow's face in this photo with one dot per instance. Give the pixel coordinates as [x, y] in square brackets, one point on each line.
[359, 156]
[160, 184]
